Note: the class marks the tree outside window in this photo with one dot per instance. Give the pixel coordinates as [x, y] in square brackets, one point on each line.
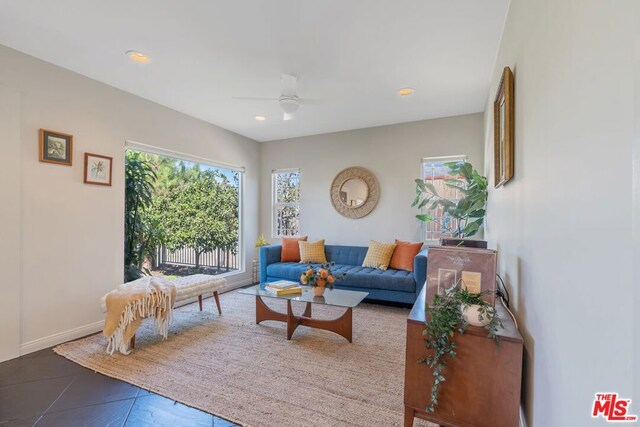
[435, 172]
[286, 202]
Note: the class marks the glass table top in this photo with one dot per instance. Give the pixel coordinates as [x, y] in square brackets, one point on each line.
[336, 297]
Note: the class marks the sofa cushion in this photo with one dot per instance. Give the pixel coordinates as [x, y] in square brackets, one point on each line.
[357, 277]
[312, 252]
[379, 255]
[286, 270]
[290, 249]
[350, 255]
[373, 278]
[404, 255]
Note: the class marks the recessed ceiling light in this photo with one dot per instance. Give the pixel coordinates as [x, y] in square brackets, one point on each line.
[140, 57]
[406, 91]
[260, 118]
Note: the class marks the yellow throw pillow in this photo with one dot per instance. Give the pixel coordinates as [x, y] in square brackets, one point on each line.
[312, 252]
[379, 255]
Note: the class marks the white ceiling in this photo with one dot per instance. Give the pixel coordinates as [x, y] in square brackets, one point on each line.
[352, 55]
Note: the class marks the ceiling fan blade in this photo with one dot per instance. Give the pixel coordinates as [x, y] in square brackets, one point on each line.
[249, 98]
[289, 84]
[287, 116]
[307, 101]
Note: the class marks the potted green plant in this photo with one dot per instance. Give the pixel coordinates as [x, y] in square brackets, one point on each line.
[449, 314]
[465, 216]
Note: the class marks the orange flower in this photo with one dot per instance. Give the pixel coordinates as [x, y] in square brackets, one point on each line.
[303, 279]
[309, 272]
[322, 282]
[323, 273]
[331, 279]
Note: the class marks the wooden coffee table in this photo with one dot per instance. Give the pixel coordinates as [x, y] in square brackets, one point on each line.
[342, 325]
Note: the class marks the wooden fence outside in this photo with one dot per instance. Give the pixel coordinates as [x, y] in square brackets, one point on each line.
[218, 258]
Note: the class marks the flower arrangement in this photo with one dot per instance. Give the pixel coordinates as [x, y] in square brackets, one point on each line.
[321, 276]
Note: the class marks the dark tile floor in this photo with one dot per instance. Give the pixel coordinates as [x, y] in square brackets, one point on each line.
[45, 389]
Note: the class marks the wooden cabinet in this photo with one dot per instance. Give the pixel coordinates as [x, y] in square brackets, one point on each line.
[482, 386]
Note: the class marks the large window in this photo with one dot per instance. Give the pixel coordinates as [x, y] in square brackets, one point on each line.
[285, 190]
[436, 173]
[182, 215]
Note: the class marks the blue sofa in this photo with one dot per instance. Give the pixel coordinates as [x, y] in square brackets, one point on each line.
[383, 285]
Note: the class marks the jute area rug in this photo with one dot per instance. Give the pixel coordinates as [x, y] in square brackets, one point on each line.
[229, 366]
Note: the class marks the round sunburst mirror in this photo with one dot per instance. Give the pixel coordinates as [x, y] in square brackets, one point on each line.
[355, 192]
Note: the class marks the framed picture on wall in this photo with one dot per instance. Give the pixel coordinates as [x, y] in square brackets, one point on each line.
[504, 130]
[56, 147]
[97, 169]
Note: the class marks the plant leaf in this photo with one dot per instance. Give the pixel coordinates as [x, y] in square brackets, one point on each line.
[424, 203]
[431, 188]
[477, 214]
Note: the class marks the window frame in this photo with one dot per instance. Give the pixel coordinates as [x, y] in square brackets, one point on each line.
[275, 204]
[434, 159]
[151, 149]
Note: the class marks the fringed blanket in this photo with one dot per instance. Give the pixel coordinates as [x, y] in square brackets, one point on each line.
[128, 304]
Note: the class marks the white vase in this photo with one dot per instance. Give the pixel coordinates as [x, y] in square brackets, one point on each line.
[471, 314]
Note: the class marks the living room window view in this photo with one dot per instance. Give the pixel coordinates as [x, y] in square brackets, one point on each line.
[181, 217]
[285, 189]
[439, 180]
[319, 214]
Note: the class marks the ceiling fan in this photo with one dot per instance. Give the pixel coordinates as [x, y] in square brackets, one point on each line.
[289, 100]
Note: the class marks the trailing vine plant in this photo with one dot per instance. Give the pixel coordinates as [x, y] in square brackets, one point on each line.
[444, 318]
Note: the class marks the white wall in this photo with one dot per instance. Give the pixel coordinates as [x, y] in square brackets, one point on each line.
[10, 220]
[563, 225]
[72, 233]
[393, 153]
[636, 212]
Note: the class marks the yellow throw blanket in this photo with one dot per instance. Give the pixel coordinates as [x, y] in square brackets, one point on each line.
[128, 304]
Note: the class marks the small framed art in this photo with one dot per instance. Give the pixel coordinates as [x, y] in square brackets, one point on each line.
[56, 147]
[97, 169]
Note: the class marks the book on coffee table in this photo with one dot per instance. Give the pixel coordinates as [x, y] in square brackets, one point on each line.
[283, 284]
[285, 291]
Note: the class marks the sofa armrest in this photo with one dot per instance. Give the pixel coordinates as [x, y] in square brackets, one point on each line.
[420, 269]
[268, 255]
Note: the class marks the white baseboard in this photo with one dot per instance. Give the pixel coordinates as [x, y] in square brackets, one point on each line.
[523, 420]
[81, 331]
[60, 337]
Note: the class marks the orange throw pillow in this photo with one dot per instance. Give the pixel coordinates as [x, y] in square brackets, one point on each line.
[404, 254]
[290, 249]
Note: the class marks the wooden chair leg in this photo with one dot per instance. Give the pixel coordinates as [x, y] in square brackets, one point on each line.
[200, 301]
[215, 295]
[132, 344]
[409, 413]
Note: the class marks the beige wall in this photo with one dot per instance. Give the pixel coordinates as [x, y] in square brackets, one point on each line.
[393, 153]
[10, 220]
[563, 225]
[636, 214]
[72, 233]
